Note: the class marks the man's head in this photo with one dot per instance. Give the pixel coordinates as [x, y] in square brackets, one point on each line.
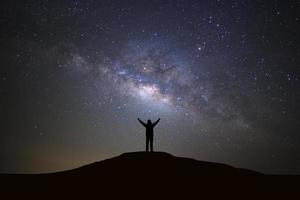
[149, 121]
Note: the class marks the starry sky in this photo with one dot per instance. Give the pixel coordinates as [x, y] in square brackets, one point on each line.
[223, 76]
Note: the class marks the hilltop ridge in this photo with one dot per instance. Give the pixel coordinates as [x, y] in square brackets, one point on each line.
[149, 173]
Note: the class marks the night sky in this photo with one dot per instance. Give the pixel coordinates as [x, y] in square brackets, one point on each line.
[223, 76]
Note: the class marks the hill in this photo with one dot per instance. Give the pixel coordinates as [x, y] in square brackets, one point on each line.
[150, 174]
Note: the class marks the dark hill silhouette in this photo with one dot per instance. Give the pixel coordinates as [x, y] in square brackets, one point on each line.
[150, 174]
[159, 162]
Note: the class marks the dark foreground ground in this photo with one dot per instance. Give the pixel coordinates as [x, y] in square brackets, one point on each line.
[141, 175]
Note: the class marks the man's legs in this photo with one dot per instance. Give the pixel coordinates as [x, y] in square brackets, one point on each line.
[147, 143]
[151, 144]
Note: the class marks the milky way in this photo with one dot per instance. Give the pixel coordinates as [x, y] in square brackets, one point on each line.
[155, 75]
[223, 76]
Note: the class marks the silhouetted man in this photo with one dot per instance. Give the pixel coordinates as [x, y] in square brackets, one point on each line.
[149, 132]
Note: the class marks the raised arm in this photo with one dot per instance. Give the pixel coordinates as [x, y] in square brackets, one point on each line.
[154, 124]
[142, 122]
